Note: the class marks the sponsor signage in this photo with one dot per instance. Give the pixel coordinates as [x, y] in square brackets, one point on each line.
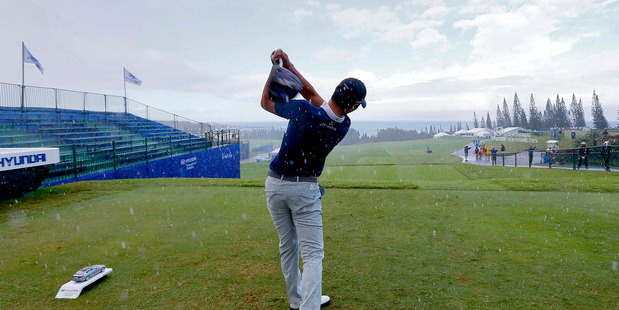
[72, 289]
[18, 158]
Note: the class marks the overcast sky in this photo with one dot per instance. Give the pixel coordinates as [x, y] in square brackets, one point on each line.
[420, 59]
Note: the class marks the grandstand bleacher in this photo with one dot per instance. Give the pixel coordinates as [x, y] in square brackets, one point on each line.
[92, 142]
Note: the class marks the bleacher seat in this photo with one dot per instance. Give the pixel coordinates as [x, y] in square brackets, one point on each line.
[92, 142]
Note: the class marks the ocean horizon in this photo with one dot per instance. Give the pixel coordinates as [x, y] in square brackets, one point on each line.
[369, 128]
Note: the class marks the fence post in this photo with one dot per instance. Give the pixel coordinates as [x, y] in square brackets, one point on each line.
[114, 154]
[574, 160]
[74, 162]
[170, 145]
[515, 159]
[146, 157]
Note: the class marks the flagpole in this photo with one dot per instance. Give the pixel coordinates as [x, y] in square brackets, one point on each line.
[125, 82]
[22, 75]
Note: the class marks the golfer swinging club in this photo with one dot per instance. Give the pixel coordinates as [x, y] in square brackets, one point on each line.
[315, 127]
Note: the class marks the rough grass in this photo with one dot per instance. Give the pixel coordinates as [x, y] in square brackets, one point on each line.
[414, 231]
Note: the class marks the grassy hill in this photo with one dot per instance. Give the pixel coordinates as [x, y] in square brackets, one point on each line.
[403, 228]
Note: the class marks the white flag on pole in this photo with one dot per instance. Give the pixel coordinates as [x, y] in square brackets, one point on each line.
[30, 59]
[131, 78]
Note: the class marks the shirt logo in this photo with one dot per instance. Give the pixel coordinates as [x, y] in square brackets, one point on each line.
[329, 126]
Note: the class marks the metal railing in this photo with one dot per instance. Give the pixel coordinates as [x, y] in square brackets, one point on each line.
[567, 158]
[571, 158]
[82, 159]
[61, 99]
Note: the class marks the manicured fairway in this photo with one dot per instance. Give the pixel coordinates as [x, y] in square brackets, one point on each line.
[401, 233]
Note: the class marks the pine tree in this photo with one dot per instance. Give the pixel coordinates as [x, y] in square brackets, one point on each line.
[523, 118]
[483, 123]
[577, 113]
[535, 116]
[549, 115]
[562, 119]
[467, 126]
[573, 111]
[582, 113]
[475, 124]
[516, 108]
[499, 117]
[599, 120]
[488, 121]
[507, 120]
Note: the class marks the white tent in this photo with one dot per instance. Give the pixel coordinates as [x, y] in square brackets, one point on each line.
[475, 132]
[483, 133]
[441, 134]
[461, 132]
[510, 131]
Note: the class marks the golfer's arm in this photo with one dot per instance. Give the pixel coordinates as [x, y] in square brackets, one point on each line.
[265, 102]
[308, 92]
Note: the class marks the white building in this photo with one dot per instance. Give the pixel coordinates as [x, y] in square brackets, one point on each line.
[475, 132]
[512, 131]
[441, 134]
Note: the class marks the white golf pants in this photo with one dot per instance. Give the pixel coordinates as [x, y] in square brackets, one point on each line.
[297, 214]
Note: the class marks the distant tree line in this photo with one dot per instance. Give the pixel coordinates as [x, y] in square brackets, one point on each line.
[353, 136]
[396, 134]
[555, 115]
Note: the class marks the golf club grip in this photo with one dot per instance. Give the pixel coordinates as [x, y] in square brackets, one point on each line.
[281, 63]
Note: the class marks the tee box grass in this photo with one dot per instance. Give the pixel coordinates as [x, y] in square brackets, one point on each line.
[403, 228]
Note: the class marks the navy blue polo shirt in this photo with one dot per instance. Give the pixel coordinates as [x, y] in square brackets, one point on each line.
[311, 135]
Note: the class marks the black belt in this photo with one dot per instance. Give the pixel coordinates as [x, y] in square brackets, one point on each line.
[292, 178]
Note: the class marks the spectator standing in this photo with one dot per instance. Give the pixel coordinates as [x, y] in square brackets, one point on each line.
[605, 153]
[466, 152]
[487, 148]
[583, 153]
[531, 148]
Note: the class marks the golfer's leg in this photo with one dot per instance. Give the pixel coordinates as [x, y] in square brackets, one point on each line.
[288, 240]
[312, 253]
[308, 222]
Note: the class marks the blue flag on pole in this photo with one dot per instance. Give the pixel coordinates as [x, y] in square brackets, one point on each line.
[131, 78]
[30, 59]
